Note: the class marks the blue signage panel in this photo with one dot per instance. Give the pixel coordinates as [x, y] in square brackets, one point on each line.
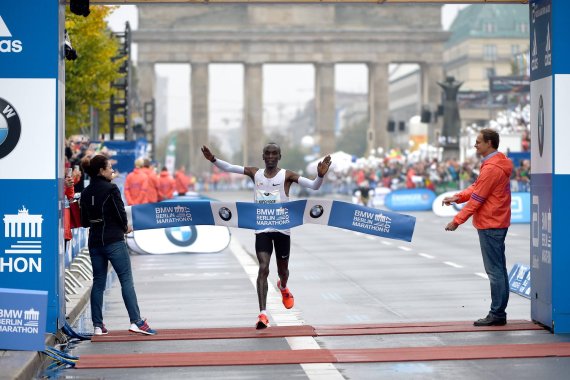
[520, 208]
[31, 149]
[519, 280]
[124, 153]
[410, 200]
[22, 319]
[541, 248]
[29, 254]
[29, 39]
[540, 39]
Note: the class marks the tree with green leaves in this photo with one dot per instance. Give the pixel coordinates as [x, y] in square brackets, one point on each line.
[88, 78]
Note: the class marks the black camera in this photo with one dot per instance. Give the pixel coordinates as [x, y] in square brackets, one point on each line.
[79, 7]
[70, 53]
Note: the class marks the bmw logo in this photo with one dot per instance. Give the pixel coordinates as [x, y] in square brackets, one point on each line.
[316, 211]
[540, 125]
[225, 214]
[181, 236]
[10, 128]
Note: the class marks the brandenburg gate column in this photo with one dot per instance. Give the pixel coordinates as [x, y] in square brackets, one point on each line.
[377, 135]
[325, 107]
[253, 137]
[199, 92]
[146, 80]
[431, 94]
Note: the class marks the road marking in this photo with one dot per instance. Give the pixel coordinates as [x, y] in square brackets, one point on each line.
[452, 264]
[371, 237]
[483, 275]
[283, 317]
[404, 248]
[386, 242]
[425, 255]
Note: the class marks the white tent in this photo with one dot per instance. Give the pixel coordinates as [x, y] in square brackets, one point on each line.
[340, 163]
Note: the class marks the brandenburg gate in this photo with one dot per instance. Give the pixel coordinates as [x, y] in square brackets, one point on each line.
[322, 35]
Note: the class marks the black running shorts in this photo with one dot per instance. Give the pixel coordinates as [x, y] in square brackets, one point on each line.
[265, 241]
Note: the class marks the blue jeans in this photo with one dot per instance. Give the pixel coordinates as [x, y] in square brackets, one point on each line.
[118, 254]
[493, 249]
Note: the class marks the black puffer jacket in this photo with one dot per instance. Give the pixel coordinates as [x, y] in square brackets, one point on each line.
[103, 210]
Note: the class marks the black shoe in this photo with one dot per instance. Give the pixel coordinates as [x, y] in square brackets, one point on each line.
[489, 320]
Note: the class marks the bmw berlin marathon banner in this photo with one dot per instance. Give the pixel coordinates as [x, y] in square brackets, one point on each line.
[275, 216]
[31, 172]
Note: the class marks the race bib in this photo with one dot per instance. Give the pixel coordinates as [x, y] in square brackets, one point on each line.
[267, 197]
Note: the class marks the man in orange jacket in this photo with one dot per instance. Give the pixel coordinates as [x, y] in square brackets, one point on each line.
[136, 185]
[489, 201]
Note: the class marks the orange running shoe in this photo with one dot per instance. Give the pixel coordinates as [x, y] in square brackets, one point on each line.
[262, 322]
[287, 296]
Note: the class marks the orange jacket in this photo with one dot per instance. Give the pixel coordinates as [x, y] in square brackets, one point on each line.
[136, 187]
[182, 182]
[489, 198]
[152, 193]
[166, 186]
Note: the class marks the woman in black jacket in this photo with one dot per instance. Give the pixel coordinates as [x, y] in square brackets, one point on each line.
[103, 211]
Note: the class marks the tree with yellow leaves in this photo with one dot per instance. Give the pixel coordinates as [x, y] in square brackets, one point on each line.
[88, 78]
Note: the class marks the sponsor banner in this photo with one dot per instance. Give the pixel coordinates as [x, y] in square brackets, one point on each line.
[541, 128]
[520, 207]
[541, 248]
[125, 153]
[540, 39]
[27, 138]
[410, 200]
[519, 280]
[510, 84]
[447, 211]
[278, 216]
[372, 221]
[171, 214]
[22, 319]
[26, 49]
[30, 250]
[561, 120]
[183, 239]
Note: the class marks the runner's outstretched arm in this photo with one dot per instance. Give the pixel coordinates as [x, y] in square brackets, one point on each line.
[226, 166]
[314, 184]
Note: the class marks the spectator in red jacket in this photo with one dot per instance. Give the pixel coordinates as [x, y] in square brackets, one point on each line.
[489, 201]
[182, 181]
[166, 185]
[136, 185]
[152, 193]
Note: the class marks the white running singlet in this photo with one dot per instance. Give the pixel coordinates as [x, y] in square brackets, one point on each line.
[270, 190]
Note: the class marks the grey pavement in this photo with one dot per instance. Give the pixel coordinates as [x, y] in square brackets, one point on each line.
[337, 277]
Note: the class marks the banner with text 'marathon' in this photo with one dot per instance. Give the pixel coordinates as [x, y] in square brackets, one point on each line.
[279, 216]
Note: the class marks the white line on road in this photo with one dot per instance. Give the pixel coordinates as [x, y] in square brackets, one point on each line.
[425, 255]
[452, 264]
[320, 371]
[484, 275]
[386, 242]
[404, 248]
